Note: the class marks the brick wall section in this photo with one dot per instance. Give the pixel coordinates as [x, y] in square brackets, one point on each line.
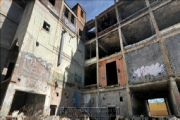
[147, 56]
[119, 65]
[173, 48]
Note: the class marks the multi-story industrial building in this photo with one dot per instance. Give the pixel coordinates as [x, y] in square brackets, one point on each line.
[52, 60]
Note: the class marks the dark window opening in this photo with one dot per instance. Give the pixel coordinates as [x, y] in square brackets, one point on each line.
[66, 13]
[53, 109]
[46, 26]
[57, 94]
[111, 73]
[90, 50]
[90, 75]
[23, 100]
[82, 14]
[121, 99]
[112, 113]
[80, 32]
[109, 44]
[21, 3]
[52, 2]
[10, 70]
[72, 19]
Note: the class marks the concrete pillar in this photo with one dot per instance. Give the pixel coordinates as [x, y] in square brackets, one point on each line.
[8, 99]
[175, 97]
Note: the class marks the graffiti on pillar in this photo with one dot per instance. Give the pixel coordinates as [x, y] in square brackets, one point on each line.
[154, 69]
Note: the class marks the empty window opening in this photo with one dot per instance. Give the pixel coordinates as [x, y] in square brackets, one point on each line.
[111, 73]
[21, 3]
[53, 109]
[66, 13]
[80, 32]
[107, 22]
[57, 94]
[46, 26]
[52, 2]
[27, 103]
[82, 14]
[10, 70]
[109, 45]
[172, 10]
[121, 99]
[130, 8]
[90, 50]
[90, 30]
[90, 75]
[158, 107]
[138, 30]
[112, 113]
[72, 19]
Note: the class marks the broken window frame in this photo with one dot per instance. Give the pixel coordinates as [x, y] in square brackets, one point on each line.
[46, 26]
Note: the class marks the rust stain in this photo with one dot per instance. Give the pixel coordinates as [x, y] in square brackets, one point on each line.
[122, 80]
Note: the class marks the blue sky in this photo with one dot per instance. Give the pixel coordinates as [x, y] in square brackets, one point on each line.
[92, 7]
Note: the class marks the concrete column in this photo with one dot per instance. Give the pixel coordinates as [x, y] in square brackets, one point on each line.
[124, 61]
[158, 34]
[175, 97]
[8, 99]
[47, 109]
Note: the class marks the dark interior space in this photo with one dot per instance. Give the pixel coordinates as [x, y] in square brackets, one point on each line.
[112, 113]
[172, 10]
[141, 95]
[109, 44]
[90, 75]
[28, 103]
[178, 85]
[106, 21]
[53, 109]
[138, 30]
[21, 3]
[90, 30]
[52, 2]
[10, 70]
[111, 73]
[90, 50]
[130, 7]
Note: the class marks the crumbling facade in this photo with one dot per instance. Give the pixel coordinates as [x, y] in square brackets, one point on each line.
[52, 59]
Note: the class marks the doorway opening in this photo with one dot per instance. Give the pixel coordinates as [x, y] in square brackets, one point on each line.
[111, 73]
[112, 113]
[28, 103]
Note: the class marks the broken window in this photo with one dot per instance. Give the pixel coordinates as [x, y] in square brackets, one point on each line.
[112, 113]
[72, 19]
[52, 2]
[90, 50]
[46, 26]
[82, 14]
[28, 103]
[66, 13]
[90, 75]
[53, 109]
[111, 73]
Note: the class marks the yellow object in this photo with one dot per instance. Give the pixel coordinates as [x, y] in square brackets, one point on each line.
[158, 109]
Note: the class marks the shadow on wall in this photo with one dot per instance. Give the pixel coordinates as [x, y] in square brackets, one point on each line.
[9, 23]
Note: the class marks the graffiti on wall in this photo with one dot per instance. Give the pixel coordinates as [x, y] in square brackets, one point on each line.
[154, 69]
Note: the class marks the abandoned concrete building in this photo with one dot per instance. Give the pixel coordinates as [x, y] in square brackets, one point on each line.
[52, 59]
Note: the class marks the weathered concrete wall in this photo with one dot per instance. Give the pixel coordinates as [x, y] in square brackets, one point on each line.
[145, 64]
[120, 71]
[173, 47]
